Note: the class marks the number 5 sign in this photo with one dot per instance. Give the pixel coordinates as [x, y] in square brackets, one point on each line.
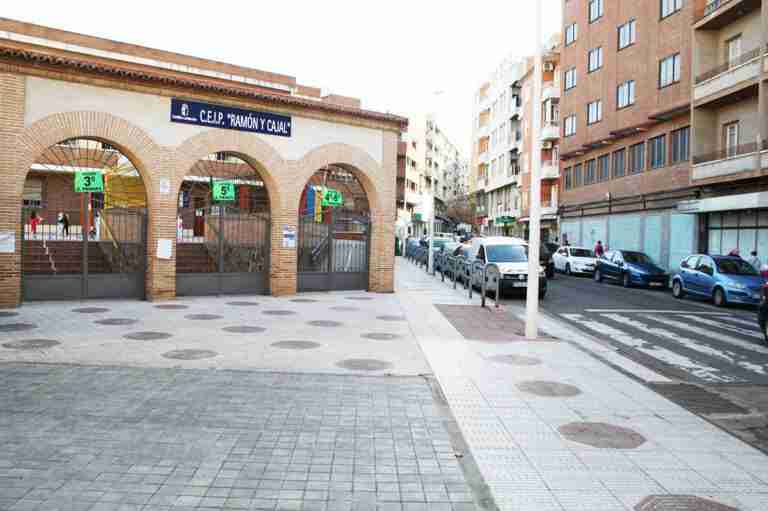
[224, 190]
[89, 182]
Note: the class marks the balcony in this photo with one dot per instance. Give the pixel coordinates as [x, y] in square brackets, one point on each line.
[550, 131]
[715, 14]
[724, 76]
[551, 90]
[550, 170]
[726, 162]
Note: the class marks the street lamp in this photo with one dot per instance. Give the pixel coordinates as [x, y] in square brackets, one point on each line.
[534, 219]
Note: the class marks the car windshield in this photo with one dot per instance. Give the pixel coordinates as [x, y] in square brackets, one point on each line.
[439, 242]
[636, 258]
[507, 253]
[735, 267]
[581, 252]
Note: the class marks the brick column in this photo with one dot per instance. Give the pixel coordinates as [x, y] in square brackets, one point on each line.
[382, 265]
[12, 101]
[283, 277]
[162, 208]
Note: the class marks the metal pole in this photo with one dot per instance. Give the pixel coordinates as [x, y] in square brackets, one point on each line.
[430, 255]
[532, 299]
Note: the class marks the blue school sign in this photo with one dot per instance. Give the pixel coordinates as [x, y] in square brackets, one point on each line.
[217, 116]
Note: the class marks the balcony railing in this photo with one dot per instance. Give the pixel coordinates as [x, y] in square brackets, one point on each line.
[711, 7]
[730, 64]
[730, 152]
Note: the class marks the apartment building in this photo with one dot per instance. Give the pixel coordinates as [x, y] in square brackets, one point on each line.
[497, 143]
[549, 134]
[626, 135]
[730, 125]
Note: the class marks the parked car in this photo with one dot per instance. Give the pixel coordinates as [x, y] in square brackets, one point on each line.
[630, 268]
[723, 279]
[511, 256]
[762, 312]
[443, 252]
[570, 260]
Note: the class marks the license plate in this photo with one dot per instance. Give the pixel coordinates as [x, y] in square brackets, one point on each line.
[657, 284]
[519, 284]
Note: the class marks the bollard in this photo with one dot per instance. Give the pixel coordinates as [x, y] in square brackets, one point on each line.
[498, 287]
[483, 284]
[468, 277]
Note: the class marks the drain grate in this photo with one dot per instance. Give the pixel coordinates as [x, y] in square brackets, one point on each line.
[697, 399]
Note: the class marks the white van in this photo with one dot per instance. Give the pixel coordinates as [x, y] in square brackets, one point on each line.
[511, 256]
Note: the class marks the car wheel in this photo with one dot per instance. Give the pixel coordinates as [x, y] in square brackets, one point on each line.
[568, 269]
[677, 289]
[718, 297]
[626, 280]
[598, 276]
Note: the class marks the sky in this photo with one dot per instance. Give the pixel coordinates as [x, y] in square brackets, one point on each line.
[406, 57]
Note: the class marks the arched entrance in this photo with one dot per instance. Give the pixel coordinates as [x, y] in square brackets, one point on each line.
[84, 224]
[223, 228]
[334, 232]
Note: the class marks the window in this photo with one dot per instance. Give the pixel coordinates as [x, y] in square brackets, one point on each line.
[594, 112]
[33, 193]
[669, 70]
[603, 172]
[731, 138]
[589, 172]
[669, 7]
[595, 60]
[595, 10]
[576, 175]
[637, 158]
[681, 143]
[571, 34]
[618, 162]
[567, 174]
[658, 149]
[627, 34]
[570, 125]
[570, 78]
[625, 94]
[733, 49]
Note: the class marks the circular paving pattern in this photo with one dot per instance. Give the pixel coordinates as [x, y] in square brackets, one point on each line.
[364, 364]
[90, 310]
[391, 318]
[344, 308]
[8, 314]
[189, 354]
[516, 360]
[278, 313]
[359, 298]
[380, 336]
[116, 321]
[296, 345]
[203, 317]
[304, 300]
[325, 323]
[31, 344]
[244, 329]
[600, 434]
[549, 388]
[243, 304]
[680, 503]
[171, 306]
[16, 327]
[147, 336]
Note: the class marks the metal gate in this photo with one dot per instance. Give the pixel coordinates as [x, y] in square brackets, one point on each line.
[334, 255]
[92, 252]
[226, 251]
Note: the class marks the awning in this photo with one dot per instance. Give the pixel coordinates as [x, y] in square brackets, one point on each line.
[755, 200]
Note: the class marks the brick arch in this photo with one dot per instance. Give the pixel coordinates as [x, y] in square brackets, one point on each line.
[259, 154]
[360, 163]
[131, 140]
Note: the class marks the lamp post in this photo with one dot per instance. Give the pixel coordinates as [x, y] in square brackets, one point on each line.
[534, 219]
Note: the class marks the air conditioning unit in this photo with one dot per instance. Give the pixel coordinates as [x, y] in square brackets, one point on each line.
[546, 145]
[549, 66]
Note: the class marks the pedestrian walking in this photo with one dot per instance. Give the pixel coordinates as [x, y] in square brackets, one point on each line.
[65, 224]
[59, 224]
[34, 221]
[599, 250]
[754, 261]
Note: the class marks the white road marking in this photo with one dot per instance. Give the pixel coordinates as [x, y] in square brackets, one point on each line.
[690, 344]
[717, 336]
[741, 321]
[639, 311]
[670, 357]
[730, 328]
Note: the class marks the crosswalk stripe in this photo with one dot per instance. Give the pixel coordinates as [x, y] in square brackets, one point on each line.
[730, 328]
[717, 336]
[741, 321]
[688, 343]
[660, 353]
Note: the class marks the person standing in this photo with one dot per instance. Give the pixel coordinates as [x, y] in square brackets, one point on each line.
[754, 261]
[599, 250]
[34, 221]
[65, 224]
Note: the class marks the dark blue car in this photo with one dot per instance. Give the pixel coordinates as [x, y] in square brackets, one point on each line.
[723, 279]
[630, 269]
